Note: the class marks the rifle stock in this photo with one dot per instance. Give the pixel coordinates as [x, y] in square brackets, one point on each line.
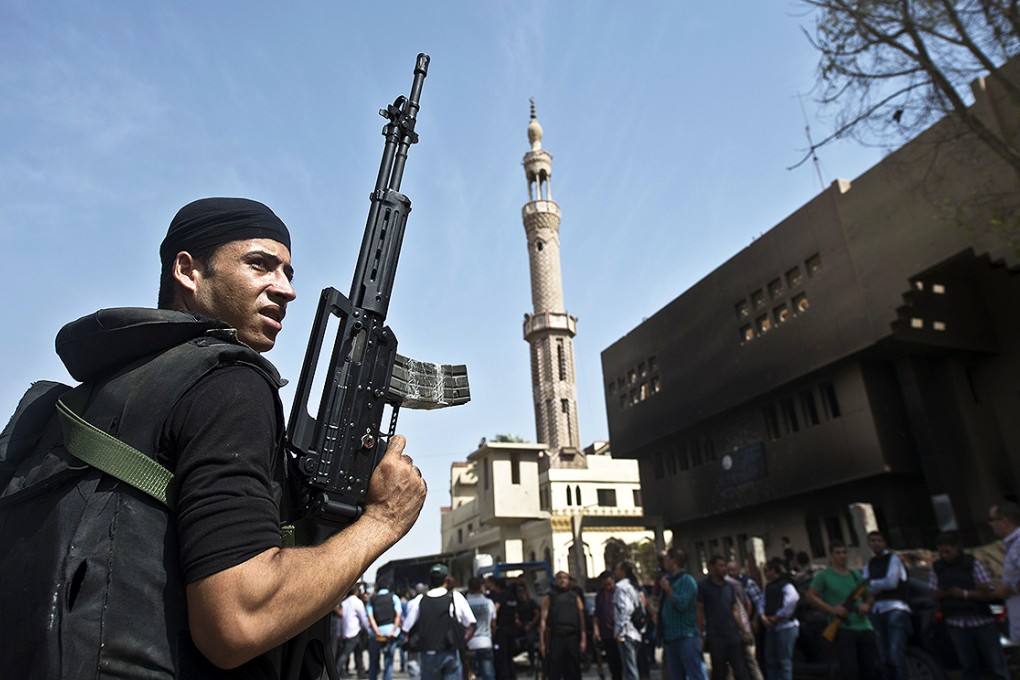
[830, 630]
[337, 450]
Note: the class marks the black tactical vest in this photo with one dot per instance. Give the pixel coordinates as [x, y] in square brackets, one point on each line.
[878, 568]
[92, 585]
[958, 574]
[563, 613]
[383, 610]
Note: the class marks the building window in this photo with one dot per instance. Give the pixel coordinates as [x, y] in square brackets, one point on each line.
[800, 303]
[607, 498]
[746, 334]
[681, 455]
[561, 360]
[470, 528]
[829, 401]
[915, 322]
[638, 502]
[695, 450]
[813, 264]
[577, 495]
[708, 447]
[775, 288]
[700, 556]
[938, 325]
[807, 402]
[789, 411]
[758, 297]
[794, 277]
[764, 323]
[460, 536]
[729, 551]
[815, 540]
[771, 421]
[834, 529]
[671, 464]
[570, 496]
[851, 539]
[938, 289]
[743, 309]
[781, 313]
[655, 385]
[486, 471]
[515, 468]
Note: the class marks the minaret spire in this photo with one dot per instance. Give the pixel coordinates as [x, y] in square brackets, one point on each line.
[549, 329]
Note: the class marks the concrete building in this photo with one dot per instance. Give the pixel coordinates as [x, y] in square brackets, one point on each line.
[862, 350]
[553, 500]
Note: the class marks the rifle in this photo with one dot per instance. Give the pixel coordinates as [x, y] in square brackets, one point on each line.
[830, 630]
[337, 450]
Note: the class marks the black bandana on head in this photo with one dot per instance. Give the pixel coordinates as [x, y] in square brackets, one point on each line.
[211, 221]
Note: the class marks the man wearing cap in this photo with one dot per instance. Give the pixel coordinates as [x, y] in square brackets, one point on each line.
[439, 623]
[207, 590]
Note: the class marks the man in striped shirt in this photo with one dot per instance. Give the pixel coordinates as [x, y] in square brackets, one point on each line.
[681, 637]
[963, 587]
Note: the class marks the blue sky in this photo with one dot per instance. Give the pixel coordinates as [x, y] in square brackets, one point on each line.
[671, 125]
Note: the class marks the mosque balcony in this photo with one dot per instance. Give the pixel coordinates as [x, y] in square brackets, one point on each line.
[546, 322]
[539, 207]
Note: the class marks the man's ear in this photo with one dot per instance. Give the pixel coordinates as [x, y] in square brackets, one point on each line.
[186, 273]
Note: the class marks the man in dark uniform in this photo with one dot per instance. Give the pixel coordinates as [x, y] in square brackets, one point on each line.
[562, 638]
[506, 629]
[227, 594]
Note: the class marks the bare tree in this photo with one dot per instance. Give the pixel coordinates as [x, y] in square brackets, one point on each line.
[891, 68]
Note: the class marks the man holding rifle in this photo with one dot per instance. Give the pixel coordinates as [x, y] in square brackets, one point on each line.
[841, 592]
[141, 512]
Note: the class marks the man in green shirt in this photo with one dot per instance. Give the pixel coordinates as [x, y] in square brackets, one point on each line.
[830, 591]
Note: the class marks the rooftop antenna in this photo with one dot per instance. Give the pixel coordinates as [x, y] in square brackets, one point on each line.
[811, 144]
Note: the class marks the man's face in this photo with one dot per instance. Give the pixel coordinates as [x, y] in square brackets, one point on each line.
[562, 580]
[1000, 526]
[608, 583]
[247, 285]
[839, 557]
[877, 543]
[718, 569]
[948, 553]
[733, 570]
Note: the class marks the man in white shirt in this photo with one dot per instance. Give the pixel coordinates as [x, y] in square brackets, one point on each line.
[480, 643]
[1004, 519]
[625, 601]
[353, 620]
[446, 624]
[890, 614]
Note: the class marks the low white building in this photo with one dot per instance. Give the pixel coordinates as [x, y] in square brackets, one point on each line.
[505, 503]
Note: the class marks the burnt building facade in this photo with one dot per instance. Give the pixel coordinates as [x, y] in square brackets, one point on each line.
[864, 350]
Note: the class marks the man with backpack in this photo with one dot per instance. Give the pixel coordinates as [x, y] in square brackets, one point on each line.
[104, 577]
[384, 618]
[439, 624]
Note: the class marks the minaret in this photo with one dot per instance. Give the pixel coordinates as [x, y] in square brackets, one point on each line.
[549, 330]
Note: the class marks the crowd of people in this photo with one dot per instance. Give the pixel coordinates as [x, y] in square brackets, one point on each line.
[748, 623]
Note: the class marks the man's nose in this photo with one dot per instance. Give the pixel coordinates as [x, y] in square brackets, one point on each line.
[283, 289]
